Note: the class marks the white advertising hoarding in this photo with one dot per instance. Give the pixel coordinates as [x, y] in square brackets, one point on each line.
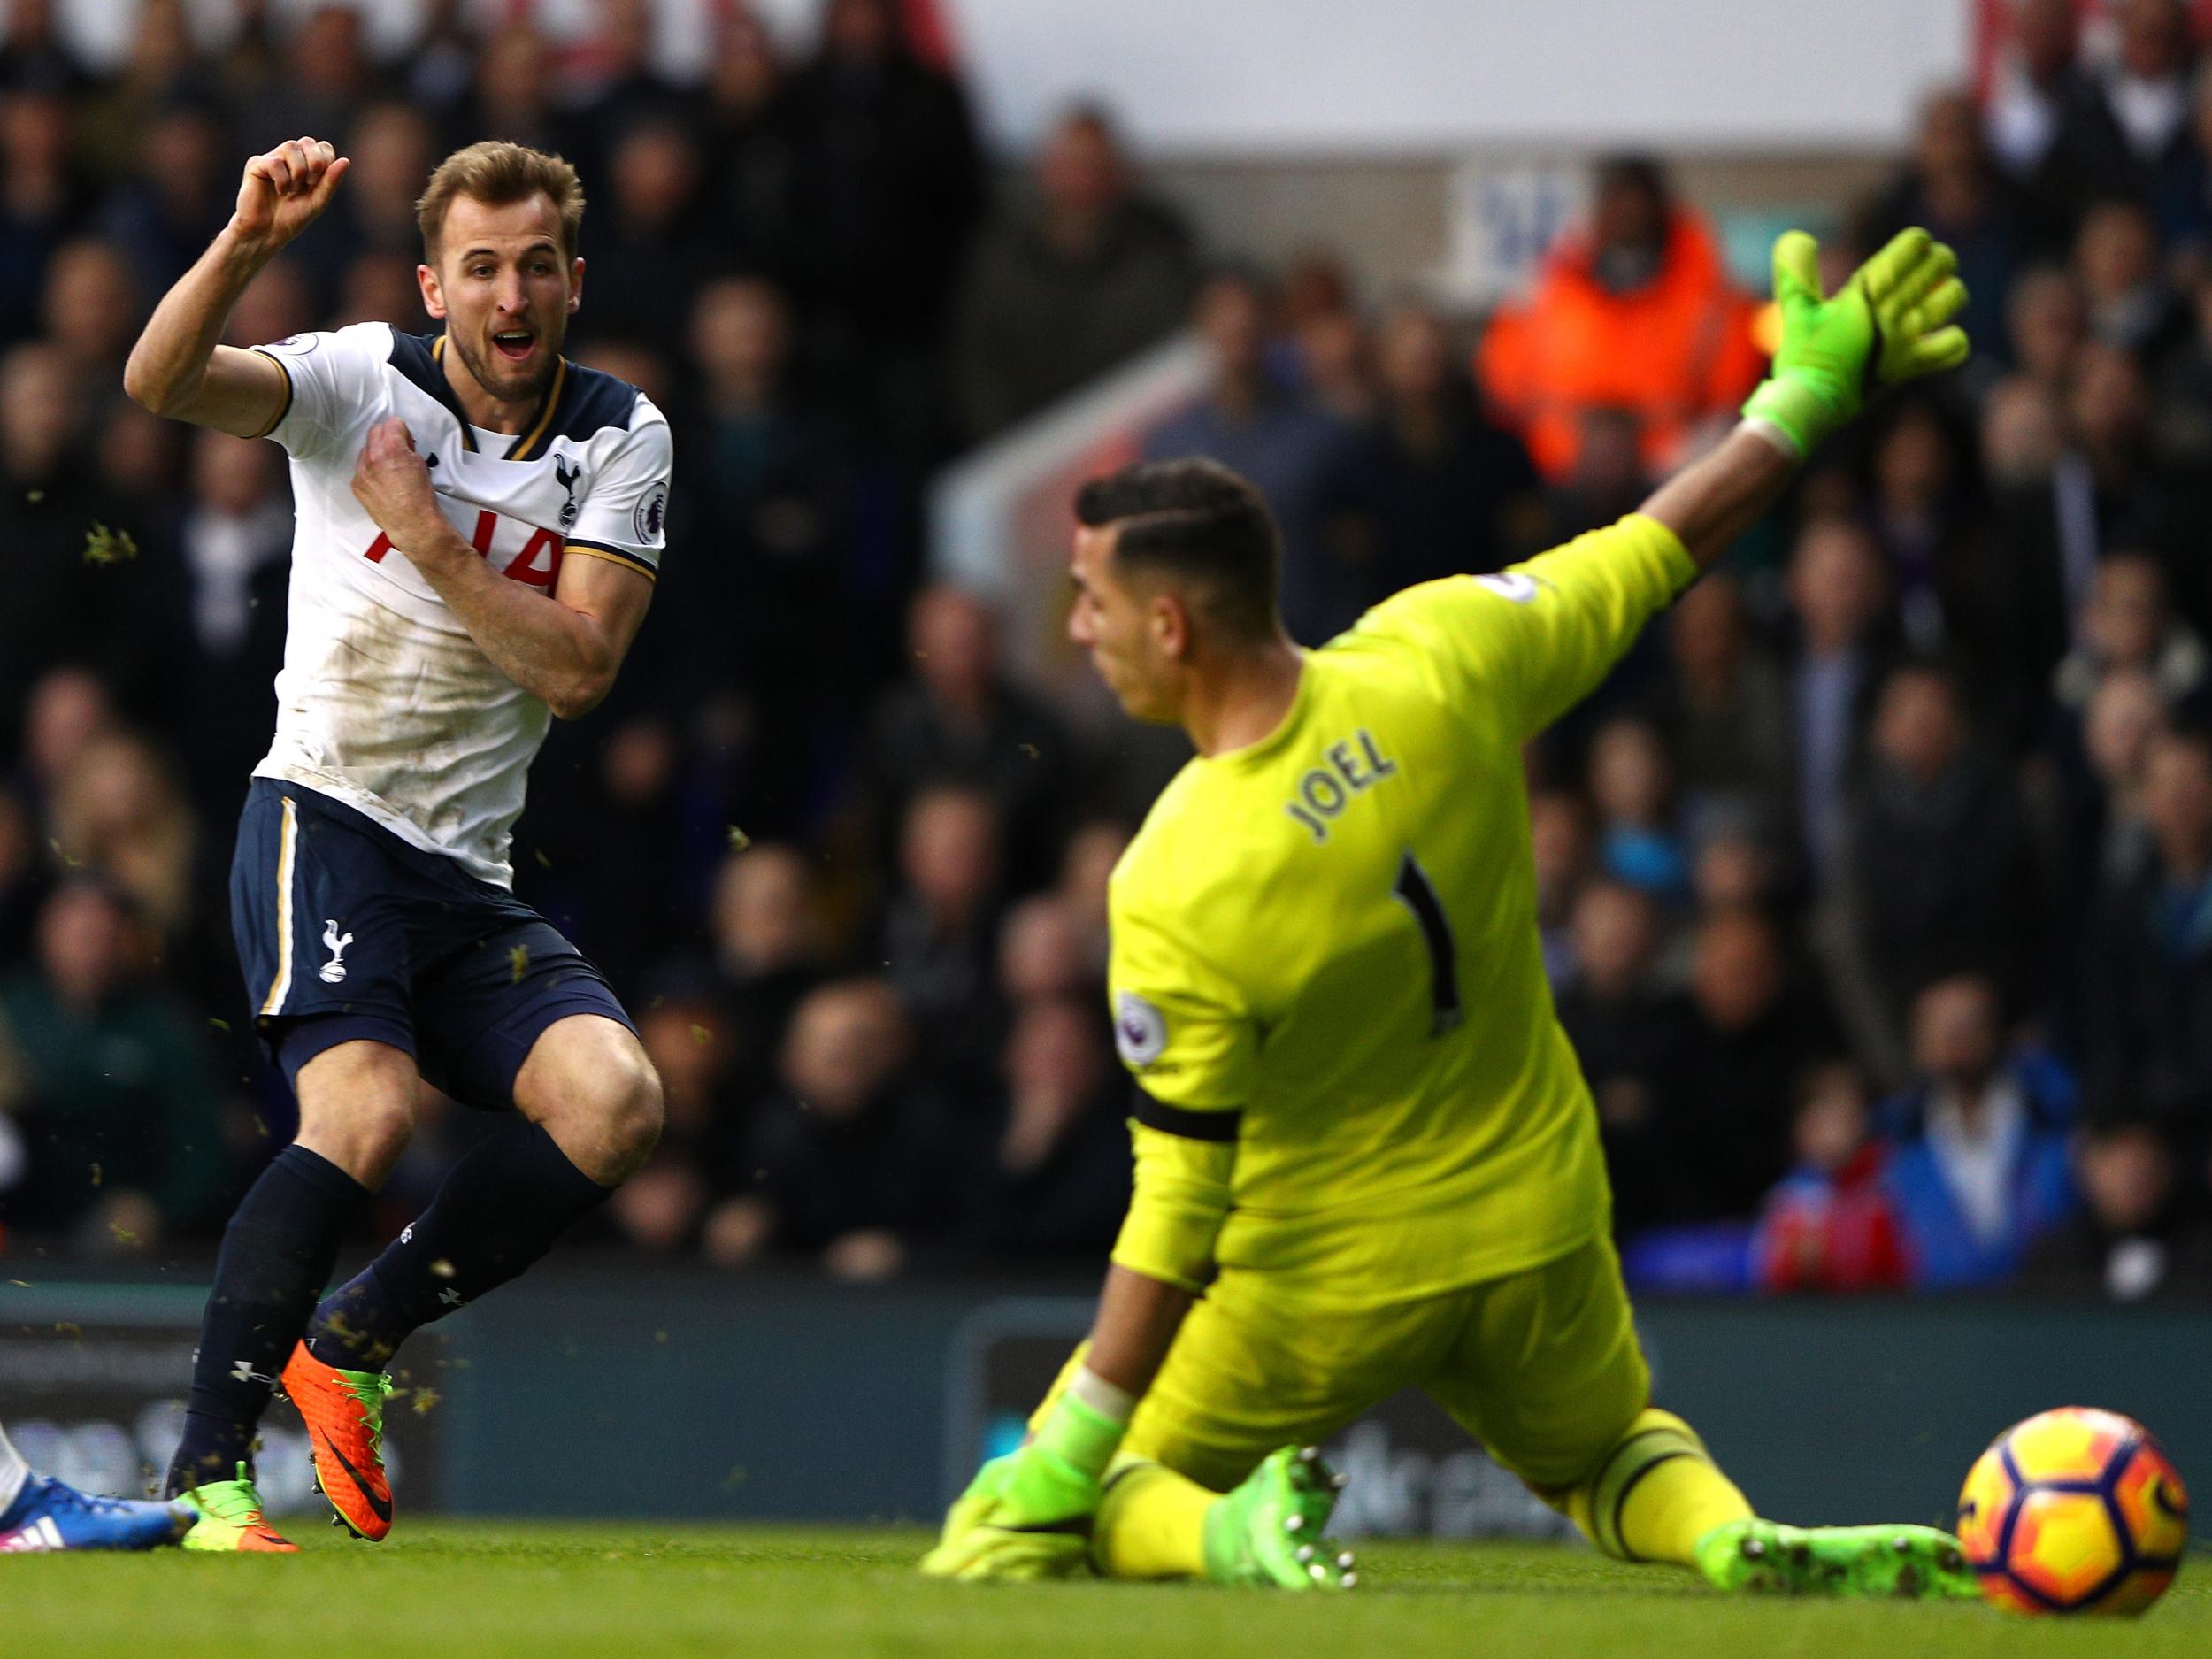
[1258, 76]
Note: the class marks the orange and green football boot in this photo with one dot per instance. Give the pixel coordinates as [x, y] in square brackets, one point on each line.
[229, 1517]
[344, 1411]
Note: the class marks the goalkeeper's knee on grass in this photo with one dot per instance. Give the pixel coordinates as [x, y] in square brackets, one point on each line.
[1151, 1523]
[1155, 1522]
[1654, 1495]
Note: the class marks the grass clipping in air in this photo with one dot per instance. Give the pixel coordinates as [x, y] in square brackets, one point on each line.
[104, 546]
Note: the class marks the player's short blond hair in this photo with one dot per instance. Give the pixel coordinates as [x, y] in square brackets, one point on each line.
[496, 173]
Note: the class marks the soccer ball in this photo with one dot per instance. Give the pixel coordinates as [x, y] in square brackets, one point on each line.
[2074, 1511]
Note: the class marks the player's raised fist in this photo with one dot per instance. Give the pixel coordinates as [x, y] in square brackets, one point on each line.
[286, 190]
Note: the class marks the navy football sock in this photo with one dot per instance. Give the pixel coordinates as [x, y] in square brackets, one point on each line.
[276, 1258]
[500, 1209]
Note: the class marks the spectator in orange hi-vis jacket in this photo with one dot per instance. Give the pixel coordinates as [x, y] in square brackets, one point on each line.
[1635, 314]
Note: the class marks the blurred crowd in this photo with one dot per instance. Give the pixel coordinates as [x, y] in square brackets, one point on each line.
[1877, 883]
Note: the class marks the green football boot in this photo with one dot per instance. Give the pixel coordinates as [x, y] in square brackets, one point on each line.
[1268, 1531]
[1766, 1558]
[231, 1519]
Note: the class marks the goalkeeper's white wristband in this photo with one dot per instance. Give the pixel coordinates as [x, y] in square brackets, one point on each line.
[1110, 1400]
[1774, 434]
[1084, 1429]
[1791, 413]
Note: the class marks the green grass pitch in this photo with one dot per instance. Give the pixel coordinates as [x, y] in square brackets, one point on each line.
[462, 1590]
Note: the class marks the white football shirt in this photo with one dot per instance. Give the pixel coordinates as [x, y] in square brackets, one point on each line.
[385, 703]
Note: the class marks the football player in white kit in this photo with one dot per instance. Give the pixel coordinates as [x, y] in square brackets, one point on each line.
[479, 524]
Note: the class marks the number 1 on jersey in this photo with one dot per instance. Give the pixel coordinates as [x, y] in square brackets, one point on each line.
[1414, 892]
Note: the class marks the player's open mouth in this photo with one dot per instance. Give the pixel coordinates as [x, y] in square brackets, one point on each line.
[514, 343]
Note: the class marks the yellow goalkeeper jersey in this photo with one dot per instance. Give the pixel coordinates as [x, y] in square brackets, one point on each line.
[1324, 944]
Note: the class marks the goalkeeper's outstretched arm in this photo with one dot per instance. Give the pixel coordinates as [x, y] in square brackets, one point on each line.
[1717, 497]
[1534, 641]
[1890, 323]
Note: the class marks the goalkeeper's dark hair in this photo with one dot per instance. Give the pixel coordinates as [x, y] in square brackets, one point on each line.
[1201, 523]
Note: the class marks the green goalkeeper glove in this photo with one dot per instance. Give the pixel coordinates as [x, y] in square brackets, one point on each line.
[1889, 324]
[1028, 1514]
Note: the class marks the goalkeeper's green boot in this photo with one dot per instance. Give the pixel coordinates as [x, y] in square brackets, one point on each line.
[230, 1518]
[1268, 1531]
[1767, 1558]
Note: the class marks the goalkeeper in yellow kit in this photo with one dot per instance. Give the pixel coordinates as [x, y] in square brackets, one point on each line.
[1366, 1158]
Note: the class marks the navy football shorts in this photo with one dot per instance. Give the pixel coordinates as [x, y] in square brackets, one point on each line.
[345, 931]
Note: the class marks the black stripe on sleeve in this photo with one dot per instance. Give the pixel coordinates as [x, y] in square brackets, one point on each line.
[284, 407]
[1176, 1120]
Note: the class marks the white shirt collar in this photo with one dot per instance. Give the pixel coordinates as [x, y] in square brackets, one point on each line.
[1975, 1155]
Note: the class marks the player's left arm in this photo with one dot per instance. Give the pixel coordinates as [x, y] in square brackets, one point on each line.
[565, 648]
[1026, 1515]
[1179, 1200]
[1182, 1028]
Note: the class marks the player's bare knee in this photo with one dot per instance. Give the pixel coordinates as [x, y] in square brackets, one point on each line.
[625, 1111]
[603, 1108]
[634, 1115]
[364, 1138]
[358, 1108]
